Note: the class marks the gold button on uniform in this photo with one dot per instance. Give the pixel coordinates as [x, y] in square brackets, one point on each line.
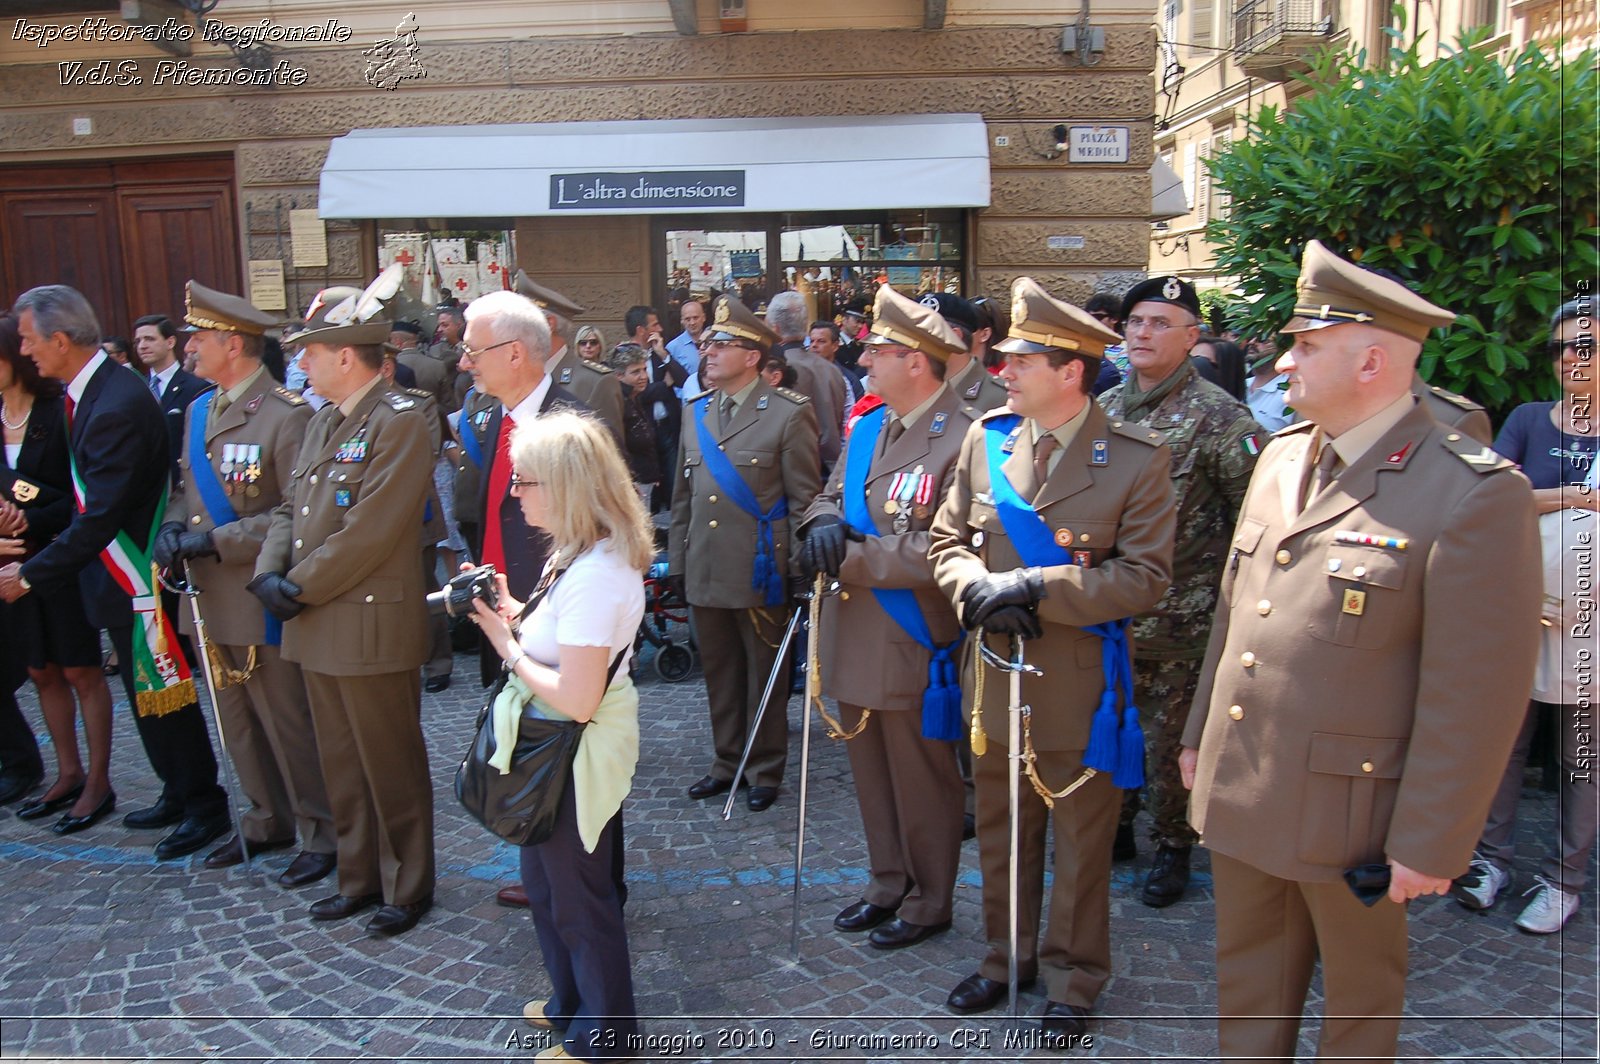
[369, 598]
[1263, 607]
[1454, 437]
[713, 524]
[195, 519]
[1283, 557]
[1366, 766]
[1359, 571]
[1084, 538]
[299, 543]
[1247, 659]
[1236, 712]
[844, 596]
[711, 498]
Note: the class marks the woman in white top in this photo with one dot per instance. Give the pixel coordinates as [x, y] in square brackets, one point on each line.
[570, 660]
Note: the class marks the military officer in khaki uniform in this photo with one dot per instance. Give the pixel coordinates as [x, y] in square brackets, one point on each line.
[735, 515]
[434, 369]
[966, 375]
[1059, 519]
[340, 567]
[1454, 411]
[869, 529]
[1372, 653]
[592, 382]
[239, 445]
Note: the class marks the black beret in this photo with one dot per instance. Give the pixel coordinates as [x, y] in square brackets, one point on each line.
[1168, 289]
[953, 309]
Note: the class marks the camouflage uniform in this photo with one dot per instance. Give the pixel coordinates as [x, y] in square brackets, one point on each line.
[1214, 443]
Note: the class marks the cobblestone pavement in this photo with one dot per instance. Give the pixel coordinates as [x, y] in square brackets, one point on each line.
[109, 954]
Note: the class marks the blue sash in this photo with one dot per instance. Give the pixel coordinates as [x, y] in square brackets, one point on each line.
[215, 500]
[1119, 753]
[941, 701]
[764, 575]
[469, 438]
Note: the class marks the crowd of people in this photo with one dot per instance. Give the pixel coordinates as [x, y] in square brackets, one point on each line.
[1244, 587]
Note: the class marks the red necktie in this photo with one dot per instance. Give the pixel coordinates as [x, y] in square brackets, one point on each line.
[70, 405]
[494, 550]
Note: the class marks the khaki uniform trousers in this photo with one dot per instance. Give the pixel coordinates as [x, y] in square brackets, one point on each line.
[266, 723]
[369, 730]
[1075, 956]
[910, 795]
[1270, 932]
[737, 650]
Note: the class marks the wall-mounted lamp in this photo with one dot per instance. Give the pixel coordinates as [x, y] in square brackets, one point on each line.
[1060, 133]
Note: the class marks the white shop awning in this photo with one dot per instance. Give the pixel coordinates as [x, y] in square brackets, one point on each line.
[1167, 200]
[659, 166]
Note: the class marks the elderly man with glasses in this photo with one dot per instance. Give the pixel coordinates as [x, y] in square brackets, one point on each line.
[1214, 443]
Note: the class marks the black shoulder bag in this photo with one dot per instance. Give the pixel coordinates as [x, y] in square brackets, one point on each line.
[521, 805]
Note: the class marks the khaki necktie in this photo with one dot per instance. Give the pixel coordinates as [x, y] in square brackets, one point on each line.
[725, 405]
[216, 409]
[1043, 448]
[1323, 475]
[891, 432]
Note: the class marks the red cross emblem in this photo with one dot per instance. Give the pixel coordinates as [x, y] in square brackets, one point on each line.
[461, 284]
[405, 258]
[705, 269]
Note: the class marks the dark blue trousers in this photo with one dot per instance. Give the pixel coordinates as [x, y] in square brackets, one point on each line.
[578, 915]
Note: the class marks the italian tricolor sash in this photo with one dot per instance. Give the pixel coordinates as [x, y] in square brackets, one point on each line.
[162, 683]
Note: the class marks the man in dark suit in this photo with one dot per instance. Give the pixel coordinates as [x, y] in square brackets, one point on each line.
[506, 342]
[155, 340]
[120, 455]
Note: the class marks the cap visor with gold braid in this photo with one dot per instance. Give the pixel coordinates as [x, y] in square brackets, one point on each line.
[1041, 323]
[1332, 292]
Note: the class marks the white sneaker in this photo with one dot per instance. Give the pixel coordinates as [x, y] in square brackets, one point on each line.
[1480, 884]
[1550, 908]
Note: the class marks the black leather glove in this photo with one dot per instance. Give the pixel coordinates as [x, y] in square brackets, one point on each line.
[1019, 587]
[165, 548]
[671, 586]
[277, 593]
[1014, 620]
[823, 551]
[800, 589]
[195, 545]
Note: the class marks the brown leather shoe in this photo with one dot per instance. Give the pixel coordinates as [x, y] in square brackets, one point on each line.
[898, 933]
[976, 993]
[308, 867]
[393, 919]
[512, 897]
[1061, 1020]
[231, 853]
[862, 916]
[340, 906]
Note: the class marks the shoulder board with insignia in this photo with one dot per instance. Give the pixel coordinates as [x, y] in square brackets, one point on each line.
[1132, 430]
[1456, 400]
[701, 395]
[970, 412]
[1298, 426]
[420, 393]
[598, 367]
[400, 402]
[1480, 457]
[794, 397]
[292, 398]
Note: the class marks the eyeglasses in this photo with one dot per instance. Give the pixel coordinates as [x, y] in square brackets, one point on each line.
[520, 482]
[1557, 348]
[1157, 325]
[468, 352]
[591, 342]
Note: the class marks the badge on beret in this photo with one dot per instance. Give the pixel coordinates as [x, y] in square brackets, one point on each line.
[930, 300]
[1081, 558]
[1097, 455]
[1063, 537]
[1172, 289]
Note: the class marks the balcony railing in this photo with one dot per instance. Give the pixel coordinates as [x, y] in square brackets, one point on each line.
[1270, 37]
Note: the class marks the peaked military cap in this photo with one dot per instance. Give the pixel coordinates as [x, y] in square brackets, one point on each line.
[732, 320]
[953, 309]
[915, 324]
[1331, 292]
[1041, 323]
[546, 298]
[342, 315]
[1173, 290]
[206, 308]
[857, 307]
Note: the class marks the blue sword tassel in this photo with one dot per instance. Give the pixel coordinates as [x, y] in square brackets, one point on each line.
[941, 702]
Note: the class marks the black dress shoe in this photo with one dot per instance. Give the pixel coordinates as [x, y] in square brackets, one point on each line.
[308, 867]
[393, 919]
[1169, 877]
[709, 787]
[14, 785]
[1124, 847]
[231, 853]
[341, 907]
[760, 798]
[969, 827]
[39, 808]
[71, 825]
[1064, 1021]
[978, 994]
[862, 916]
[436, 683]
[194, 833]
[898, 933]
[163, 814]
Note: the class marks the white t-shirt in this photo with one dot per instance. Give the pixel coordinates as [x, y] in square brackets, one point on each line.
[597, 602]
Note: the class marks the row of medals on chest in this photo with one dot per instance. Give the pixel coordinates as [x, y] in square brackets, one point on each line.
[241, 469]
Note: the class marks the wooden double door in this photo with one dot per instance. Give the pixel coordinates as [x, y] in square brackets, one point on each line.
[127, 234]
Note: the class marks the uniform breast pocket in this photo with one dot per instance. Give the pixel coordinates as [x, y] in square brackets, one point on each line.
[755, 458]
[1089, 541]
[1181, 442]
[1351, 785]
[1362, 599]
[1246, 538]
